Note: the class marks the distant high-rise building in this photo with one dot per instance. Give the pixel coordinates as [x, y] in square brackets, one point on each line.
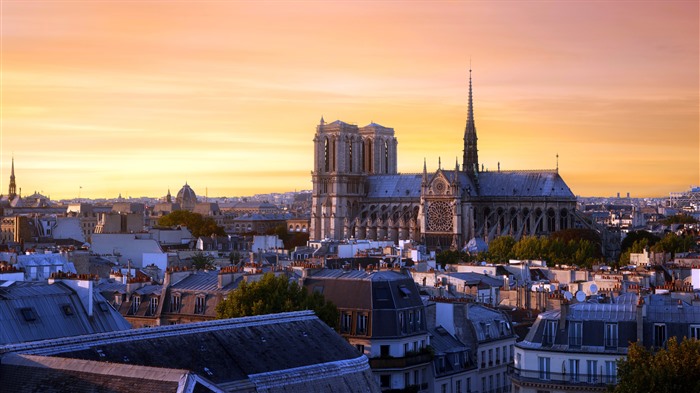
[358, 192]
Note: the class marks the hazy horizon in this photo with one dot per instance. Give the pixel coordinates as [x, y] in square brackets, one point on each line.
[109, 97]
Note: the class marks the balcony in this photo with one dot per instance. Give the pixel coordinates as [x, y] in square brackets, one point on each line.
[595, 382]
[402, 362]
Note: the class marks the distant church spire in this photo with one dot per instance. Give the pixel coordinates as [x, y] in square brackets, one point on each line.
[12, 192]
[470, 162]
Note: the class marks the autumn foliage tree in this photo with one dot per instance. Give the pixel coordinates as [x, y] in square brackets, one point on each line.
[671, 370]
[275, 294]
[195, 222]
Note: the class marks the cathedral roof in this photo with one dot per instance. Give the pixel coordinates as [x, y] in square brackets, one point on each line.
[523, 184]
[394, 186]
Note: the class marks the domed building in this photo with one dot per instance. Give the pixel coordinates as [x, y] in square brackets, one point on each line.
[186, 198]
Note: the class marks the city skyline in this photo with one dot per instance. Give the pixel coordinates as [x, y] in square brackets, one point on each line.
[108, 98]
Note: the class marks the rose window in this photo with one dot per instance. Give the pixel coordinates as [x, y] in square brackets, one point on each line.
[440, 217]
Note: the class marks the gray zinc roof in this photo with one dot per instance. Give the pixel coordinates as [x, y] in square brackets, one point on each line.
[395, 186]
[273, 351]
[31, 311]
[523, 183]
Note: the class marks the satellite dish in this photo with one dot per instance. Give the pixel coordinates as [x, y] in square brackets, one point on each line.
[568, 296]
[580, 296]
[594, 289]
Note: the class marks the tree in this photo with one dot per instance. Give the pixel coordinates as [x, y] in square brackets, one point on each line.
[202, 261]
[195, 222]
[275, 294]
[679, 219]
[674, 369]
[672, 243]
[449, 257]
[634, 236]
[501, 249]
[529, 247]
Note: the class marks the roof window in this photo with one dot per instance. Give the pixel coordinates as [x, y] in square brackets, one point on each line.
[67, 310]
[405, 292]
[28, 314]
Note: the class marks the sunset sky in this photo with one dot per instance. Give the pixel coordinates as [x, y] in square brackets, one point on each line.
[138, 97]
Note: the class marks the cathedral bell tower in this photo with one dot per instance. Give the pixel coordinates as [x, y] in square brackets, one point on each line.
[344, 155]
[337, 178]
[470, 161]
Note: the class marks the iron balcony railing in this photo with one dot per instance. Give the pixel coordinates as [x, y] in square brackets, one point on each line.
[565, 378]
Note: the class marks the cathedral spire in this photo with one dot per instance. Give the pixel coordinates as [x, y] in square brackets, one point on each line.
[470, 162]
[12, 192]
[425, 171]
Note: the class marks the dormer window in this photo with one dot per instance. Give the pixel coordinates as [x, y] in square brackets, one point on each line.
[199, 303]
[361, 324]
[135, 303]
[575, 334]
[550, 332]
[175, 302]
[153, 306]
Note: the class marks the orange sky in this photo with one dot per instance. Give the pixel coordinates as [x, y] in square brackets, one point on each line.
[135, 97]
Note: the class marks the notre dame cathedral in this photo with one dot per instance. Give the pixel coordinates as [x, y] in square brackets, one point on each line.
[358, 193]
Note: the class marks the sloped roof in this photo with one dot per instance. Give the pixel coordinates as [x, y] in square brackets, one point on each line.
[56, 311]
[523, 184]
[271, 351]
[395, 186]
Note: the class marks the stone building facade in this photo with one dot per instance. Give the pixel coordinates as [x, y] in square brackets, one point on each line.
[358, 192]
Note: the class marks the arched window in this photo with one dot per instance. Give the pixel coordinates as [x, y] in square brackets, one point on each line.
[326, 155]
[563, 219]
[350, 166]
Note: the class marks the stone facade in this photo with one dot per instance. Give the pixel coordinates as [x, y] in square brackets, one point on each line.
[358, 193]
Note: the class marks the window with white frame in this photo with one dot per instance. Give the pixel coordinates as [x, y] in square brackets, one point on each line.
[550, 332]
[575, 333]
[573, 370]
[361, 323]
[659, 335]
[135, 303]
[694, 332]
[175, 302]
[592, 371]
[199, 305]
[346, 322]
[610, 337]
[544, 369]
[610, 372]
[153, 306]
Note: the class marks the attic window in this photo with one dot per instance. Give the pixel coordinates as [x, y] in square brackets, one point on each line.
[28, 314]
[67, 309]
[103, 306]
[405, 292]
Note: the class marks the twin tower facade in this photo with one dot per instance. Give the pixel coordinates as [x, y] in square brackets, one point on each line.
[358, 193]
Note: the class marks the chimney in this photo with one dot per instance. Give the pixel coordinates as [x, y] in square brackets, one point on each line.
[563, 313]
[227, 275]
[641, 311]
[83, 285]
